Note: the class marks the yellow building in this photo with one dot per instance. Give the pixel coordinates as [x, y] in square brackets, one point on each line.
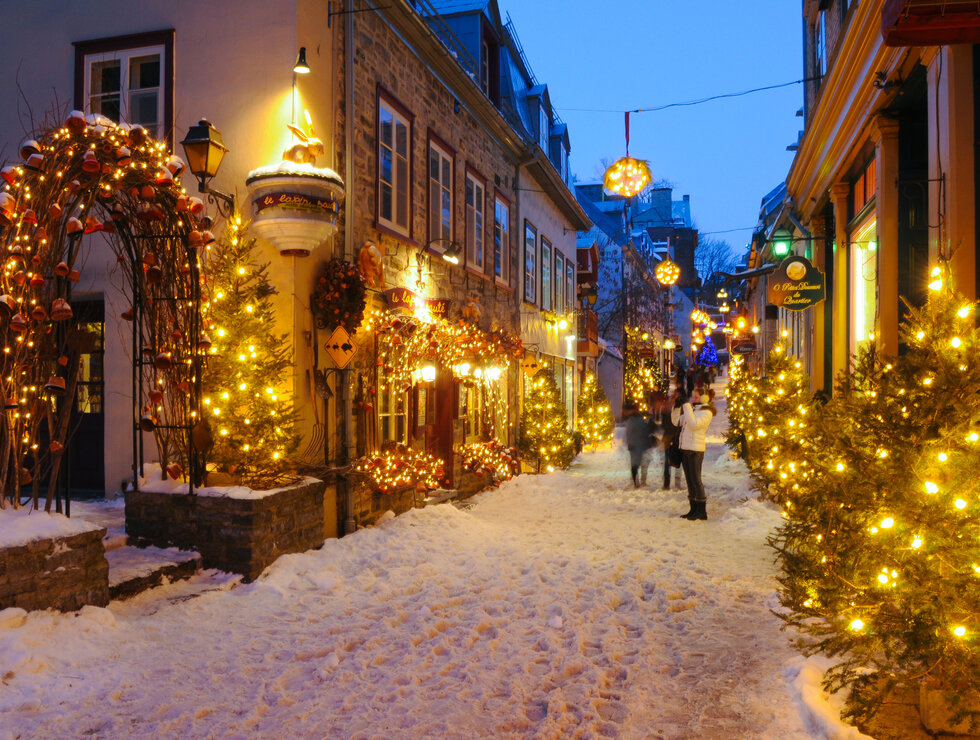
[884, 180]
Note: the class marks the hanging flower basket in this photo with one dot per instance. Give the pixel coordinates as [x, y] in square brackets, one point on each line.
[338, 296]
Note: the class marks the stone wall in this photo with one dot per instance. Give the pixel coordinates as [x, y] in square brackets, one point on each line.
[369, 504]
[239, 535]
[63, 573]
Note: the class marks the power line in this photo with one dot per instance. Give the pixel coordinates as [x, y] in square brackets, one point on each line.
[699, 101]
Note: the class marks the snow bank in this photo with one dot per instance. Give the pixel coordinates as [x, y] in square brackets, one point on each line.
[21, 526]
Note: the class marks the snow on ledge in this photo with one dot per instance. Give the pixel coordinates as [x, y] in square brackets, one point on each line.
[21, 526]
[151, 482]
[294, 169]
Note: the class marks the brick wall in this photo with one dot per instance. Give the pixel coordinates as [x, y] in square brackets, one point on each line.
[63, 573]
[236, 535]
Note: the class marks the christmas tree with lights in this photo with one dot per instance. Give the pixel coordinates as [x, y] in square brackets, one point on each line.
[595, 420]
[244, 398]
[776, 428]
[545, 440]
[881, 549]
[707, 355]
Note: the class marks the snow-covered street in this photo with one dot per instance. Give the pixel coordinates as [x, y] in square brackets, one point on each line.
[561, 606]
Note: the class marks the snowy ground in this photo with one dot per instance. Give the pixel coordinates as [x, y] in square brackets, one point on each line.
[559, 606]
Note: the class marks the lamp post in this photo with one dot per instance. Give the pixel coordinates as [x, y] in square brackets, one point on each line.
[205, 150]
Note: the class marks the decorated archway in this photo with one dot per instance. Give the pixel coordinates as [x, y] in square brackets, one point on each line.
[92, 177]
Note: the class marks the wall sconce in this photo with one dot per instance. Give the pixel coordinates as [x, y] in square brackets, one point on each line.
[451, 250]
[428, 373]
[493, 373]
[562, 324]
[205, 149]
[591, 296]
[301, 67]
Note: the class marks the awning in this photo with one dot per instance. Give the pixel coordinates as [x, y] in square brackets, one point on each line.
[930, 22]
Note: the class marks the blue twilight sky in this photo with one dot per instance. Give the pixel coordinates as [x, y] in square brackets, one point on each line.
[620, 55]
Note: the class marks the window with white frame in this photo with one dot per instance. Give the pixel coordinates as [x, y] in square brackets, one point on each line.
[126, 80]
[440, 193]
[476, 204]
[501, 240]
[394, 137]
[563, 165]
[820, 43]
[546, 286]
[559, 282]
[530, 262]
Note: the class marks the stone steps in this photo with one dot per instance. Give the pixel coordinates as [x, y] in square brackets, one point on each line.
[133, 570]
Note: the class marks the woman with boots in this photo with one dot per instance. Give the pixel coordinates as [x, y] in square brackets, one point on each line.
[694, 427]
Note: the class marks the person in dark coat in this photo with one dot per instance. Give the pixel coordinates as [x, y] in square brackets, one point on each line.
[637, 439]
[670, 432]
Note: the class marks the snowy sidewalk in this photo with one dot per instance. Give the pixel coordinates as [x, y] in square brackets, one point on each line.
[567, 605]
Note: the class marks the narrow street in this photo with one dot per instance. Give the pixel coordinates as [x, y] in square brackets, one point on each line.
[567, 605]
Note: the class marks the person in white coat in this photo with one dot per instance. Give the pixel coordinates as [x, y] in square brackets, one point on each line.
[693, 422]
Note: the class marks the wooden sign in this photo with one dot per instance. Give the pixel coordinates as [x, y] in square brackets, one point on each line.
[796, 284]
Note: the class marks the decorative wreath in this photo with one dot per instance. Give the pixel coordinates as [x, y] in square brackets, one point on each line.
[338, 296]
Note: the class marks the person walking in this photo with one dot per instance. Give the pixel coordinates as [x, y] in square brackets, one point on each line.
[693, 423]
[637, 439]
[669, 437]
[654, 403]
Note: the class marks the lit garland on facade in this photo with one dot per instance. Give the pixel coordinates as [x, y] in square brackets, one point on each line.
[491, 457]
[398, 466]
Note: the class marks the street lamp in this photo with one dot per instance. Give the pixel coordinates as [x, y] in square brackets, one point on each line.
[205, 150]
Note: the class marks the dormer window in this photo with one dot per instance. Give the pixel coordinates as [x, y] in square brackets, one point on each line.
[544, 125]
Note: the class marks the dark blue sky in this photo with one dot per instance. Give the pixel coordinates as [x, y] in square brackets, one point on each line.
[622, 55]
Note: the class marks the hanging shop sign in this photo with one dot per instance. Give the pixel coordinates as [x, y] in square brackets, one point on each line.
[406, 301]
[743, 346]
[796, 284]
[297, 202]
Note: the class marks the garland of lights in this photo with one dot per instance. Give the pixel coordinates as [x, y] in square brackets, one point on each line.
[492, 457]
[91, 176]
[398, 466]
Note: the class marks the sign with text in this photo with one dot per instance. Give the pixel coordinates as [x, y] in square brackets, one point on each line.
[743, 346]
[407, 301]
[796, 284]
[295, 201]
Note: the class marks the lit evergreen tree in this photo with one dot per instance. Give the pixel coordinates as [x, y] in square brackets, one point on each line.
[545, 439]
[776, 428]
[881, 551]
[250, 413]
[595, 420]
[707, 355]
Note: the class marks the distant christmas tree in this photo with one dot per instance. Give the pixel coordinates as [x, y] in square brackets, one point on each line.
[707, 355]
[546, 442]
[881, 554]
[595, 420]
[250, 412]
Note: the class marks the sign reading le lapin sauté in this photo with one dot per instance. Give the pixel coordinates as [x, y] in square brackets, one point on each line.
[296, 201]
[405, 300]
[796, 284]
